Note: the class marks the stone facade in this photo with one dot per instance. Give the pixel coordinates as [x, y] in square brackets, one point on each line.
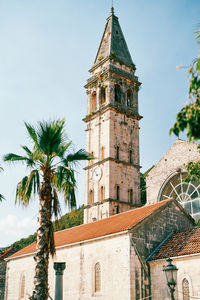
[148, 236]
[78, 279]
[112, 133]
[188, 268]
[171, 163]
[124, 272]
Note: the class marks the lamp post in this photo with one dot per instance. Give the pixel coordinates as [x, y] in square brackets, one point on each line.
[171, 276]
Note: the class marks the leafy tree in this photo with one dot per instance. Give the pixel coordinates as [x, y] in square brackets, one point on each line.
[189, 116]
[51, 172]
[1, 196]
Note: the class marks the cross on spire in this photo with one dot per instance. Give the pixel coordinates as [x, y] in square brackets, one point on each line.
[112, 8]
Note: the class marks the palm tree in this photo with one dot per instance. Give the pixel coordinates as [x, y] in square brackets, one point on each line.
[51, 172]
[1, 196]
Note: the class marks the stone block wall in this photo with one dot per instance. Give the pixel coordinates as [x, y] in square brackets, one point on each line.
[188, 268]
[147, 237]
[78, 280]
[179, 154]
[156, 229]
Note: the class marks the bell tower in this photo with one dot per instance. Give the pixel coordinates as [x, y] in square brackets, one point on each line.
[112, 179]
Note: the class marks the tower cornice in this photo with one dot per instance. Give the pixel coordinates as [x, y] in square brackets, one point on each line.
[112, 70]
[116, 107]
[100, 162]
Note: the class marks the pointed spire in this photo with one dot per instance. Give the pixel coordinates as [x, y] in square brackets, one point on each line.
[113, 44]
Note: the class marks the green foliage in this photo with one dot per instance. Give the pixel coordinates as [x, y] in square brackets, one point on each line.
[143, 186]
[198, 223]
[189, 116]
[193, 170]
[74, 218]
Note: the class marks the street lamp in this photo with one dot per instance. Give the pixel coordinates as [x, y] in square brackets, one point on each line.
[171, 275]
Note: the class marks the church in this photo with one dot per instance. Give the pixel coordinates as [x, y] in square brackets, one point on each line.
[119, 251]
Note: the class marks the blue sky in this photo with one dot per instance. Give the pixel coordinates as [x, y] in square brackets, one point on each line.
[47, 48]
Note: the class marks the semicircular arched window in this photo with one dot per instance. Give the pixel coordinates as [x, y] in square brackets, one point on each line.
[187, 193]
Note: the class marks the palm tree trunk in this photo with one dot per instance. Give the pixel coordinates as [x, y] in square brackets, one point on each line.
[41, 289]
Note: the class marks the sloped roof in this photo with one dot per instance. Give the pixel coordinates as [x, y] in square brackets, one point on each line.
[115, 224]
[113, 43]
[181, 243]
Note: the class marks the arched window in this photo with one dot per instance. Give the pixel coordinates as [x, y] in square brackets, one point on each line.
[22, 288]
[130, 156]
[117, 153]
[91, 197]
[93, 101]
[117, 93]
[102, 193]
[129, 98]
[102, 152]
[97, 277]
[186, 289]
[117, 192]
[103, 95]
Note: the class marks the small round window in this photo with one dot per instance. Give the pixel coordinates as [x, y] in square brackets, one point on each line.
[187, 193]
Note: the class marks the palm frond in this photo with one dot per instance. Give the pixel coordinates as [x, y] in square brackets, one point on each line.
[11, 157]
[62, 149]
[28, 186]
[2, 197]
[50, 136]
[56, 210]
[32, 133]
[65, 183]
[77, 156]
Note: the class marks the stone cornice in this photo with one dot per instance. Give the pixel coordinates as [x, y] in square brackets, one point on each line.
[111, 200]
[111, 159]
[114, 58]
[117, 107]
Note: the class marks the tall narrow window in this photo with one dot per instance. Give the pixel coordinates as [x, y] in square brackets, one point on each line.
[91, 197]
[22, 287]
[117, 93]
[186, 289]
[130, 156]
[103, 95]
[92, 160]
[93, 100]
[102, 152]
[118, 192]
[117, 153]
[131, 196]
[102, 193]
[117, 209]
[97, 277]
[129, 98]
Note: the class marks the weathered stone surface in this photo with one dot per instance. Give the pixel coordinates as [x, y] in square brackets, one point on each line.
[179, 154]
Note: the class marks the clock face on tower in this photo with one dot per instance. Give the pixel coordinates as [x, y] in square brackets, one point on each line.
[96, 174]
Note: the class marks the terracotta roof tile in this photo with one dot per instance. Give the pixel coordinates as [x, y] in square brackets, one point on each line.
[181, 243]
[114, 224]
